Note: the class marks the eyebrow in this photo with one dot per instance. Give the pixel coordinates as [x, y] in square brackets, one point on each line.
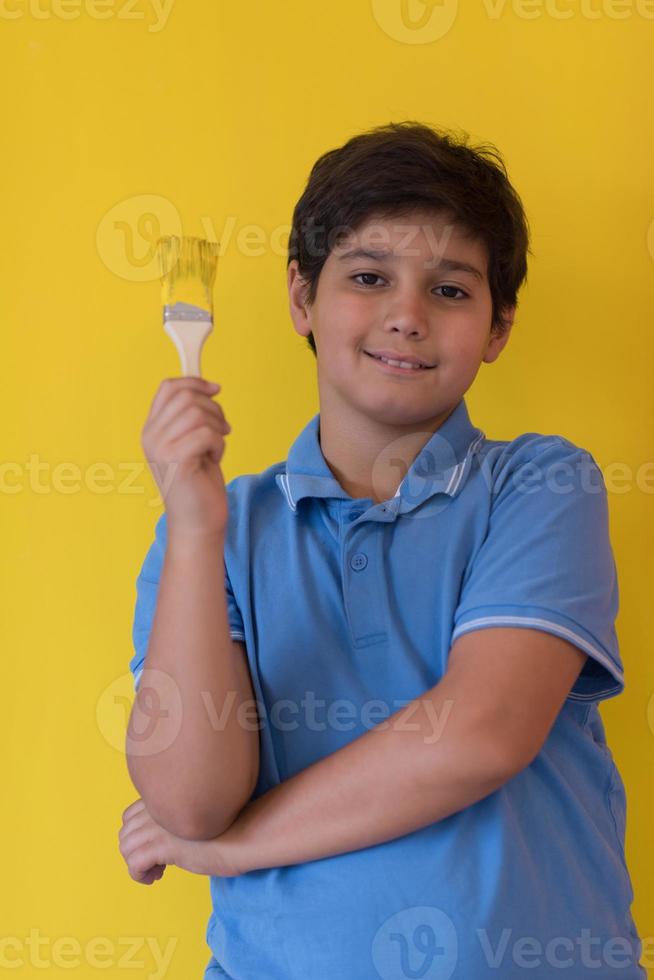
[447, 265]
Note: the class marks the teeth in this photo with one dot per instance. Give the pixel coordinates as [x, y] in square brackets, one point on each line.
[402, 364]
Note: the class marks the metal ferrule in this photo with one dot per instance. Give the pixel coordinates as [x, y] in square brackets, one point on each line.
[185, 311]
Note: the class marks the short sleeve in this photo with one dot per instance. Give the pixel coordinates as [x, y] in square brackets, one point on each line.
[236, 628]
[147, 587]
[546, 560]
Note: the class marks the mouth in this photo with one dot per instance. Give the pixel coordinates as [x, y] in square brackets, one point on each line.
[397, 366]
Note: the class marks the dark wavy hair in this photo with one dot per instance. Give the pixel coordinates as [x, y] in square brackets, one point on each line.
[400, 167]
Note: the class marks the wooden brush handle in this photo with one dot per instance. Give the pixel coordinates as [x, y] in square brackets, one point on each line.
[189, 337]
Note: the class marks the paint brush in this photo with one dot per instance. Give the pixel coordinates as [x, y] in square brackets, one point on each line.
[188, 271]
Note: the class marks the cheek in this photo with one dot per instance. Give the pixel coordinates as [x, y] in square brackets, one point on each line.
[465, 340]
[351, 307]
[460, 346]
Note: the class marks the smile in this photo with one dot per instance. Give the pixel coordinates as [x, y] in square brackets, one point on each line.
[397, 367]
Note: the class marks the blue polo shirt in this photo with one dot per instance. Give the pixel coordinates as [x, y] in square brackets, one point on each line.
[348, 609]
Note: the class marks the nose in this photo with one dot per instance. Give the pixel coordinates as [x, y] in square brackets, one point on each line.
[408, 314]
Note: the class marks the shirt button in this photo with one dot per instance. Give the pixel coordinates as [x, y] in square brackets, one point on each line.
[354, 514]
[358, 562]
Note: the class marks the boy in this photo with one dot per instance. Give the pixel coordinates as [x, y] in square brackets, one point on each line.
[426, 615]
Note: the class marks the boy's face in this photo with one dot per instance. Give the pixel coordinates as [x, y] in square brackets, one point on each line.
[415, 299]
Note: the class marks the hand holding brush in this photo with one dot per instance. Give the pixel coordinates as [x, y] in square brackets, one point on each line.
[184, 440]
[183, 435]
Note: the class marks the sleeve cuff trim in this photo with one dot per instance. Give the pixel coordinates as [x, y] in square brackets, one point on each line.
[235, 635]
[559, 630]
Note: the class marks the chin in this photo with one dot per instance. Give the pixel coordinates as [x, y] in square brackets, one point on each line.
[397, 414]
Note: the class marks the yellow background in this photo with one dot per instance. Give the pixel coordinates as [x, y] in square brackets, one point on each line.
[119, 124]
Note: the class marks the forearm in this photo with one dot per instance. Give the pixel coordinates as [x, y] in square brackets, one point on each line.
[391, 781]
[192, 751]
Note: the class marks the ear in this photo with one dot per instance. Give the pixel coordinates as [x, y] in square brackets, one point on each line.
[497, 342]
[296, 293]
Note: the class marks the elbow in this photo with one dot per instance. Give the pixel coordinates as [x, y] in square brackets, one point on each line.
[208, 822]
[511, 760]
[204, 821]
[202, 826]
[176, 824]
[184, 823]
[184, 811]
[494, 762]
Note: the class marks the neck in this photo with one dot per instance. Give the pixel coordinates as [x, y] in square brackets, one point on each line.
[370, 458]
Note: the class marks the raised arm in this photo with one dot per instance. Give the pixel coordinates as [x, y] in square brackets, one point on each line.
[192, 740]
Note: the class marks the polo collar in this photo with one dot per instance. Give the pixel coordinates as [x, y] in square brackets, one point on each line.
[441, 466]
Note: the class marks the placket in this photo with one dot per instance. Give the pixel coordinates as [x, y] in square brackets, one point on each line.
[362, 574]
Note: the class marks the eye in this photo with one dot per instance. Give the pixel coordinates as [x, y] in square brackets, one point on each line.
[456, 290]
[374, 275]
[371, 275]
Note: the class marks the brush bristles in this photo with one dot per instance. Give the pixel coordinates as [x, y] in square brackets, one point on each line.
[188, 270]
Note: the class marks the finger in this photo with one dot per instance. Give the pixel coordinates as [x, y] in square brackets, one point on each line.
[180, 403]
[134, 807]
[144, 833]
[155, 873]
[181, 400]
[140, 856]
[143, 853]
[198, 441]
[170, 386]
[136, 820]
[151, 875]
[140, 868]
[129, 843]
[198, 412]
[192, 419]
